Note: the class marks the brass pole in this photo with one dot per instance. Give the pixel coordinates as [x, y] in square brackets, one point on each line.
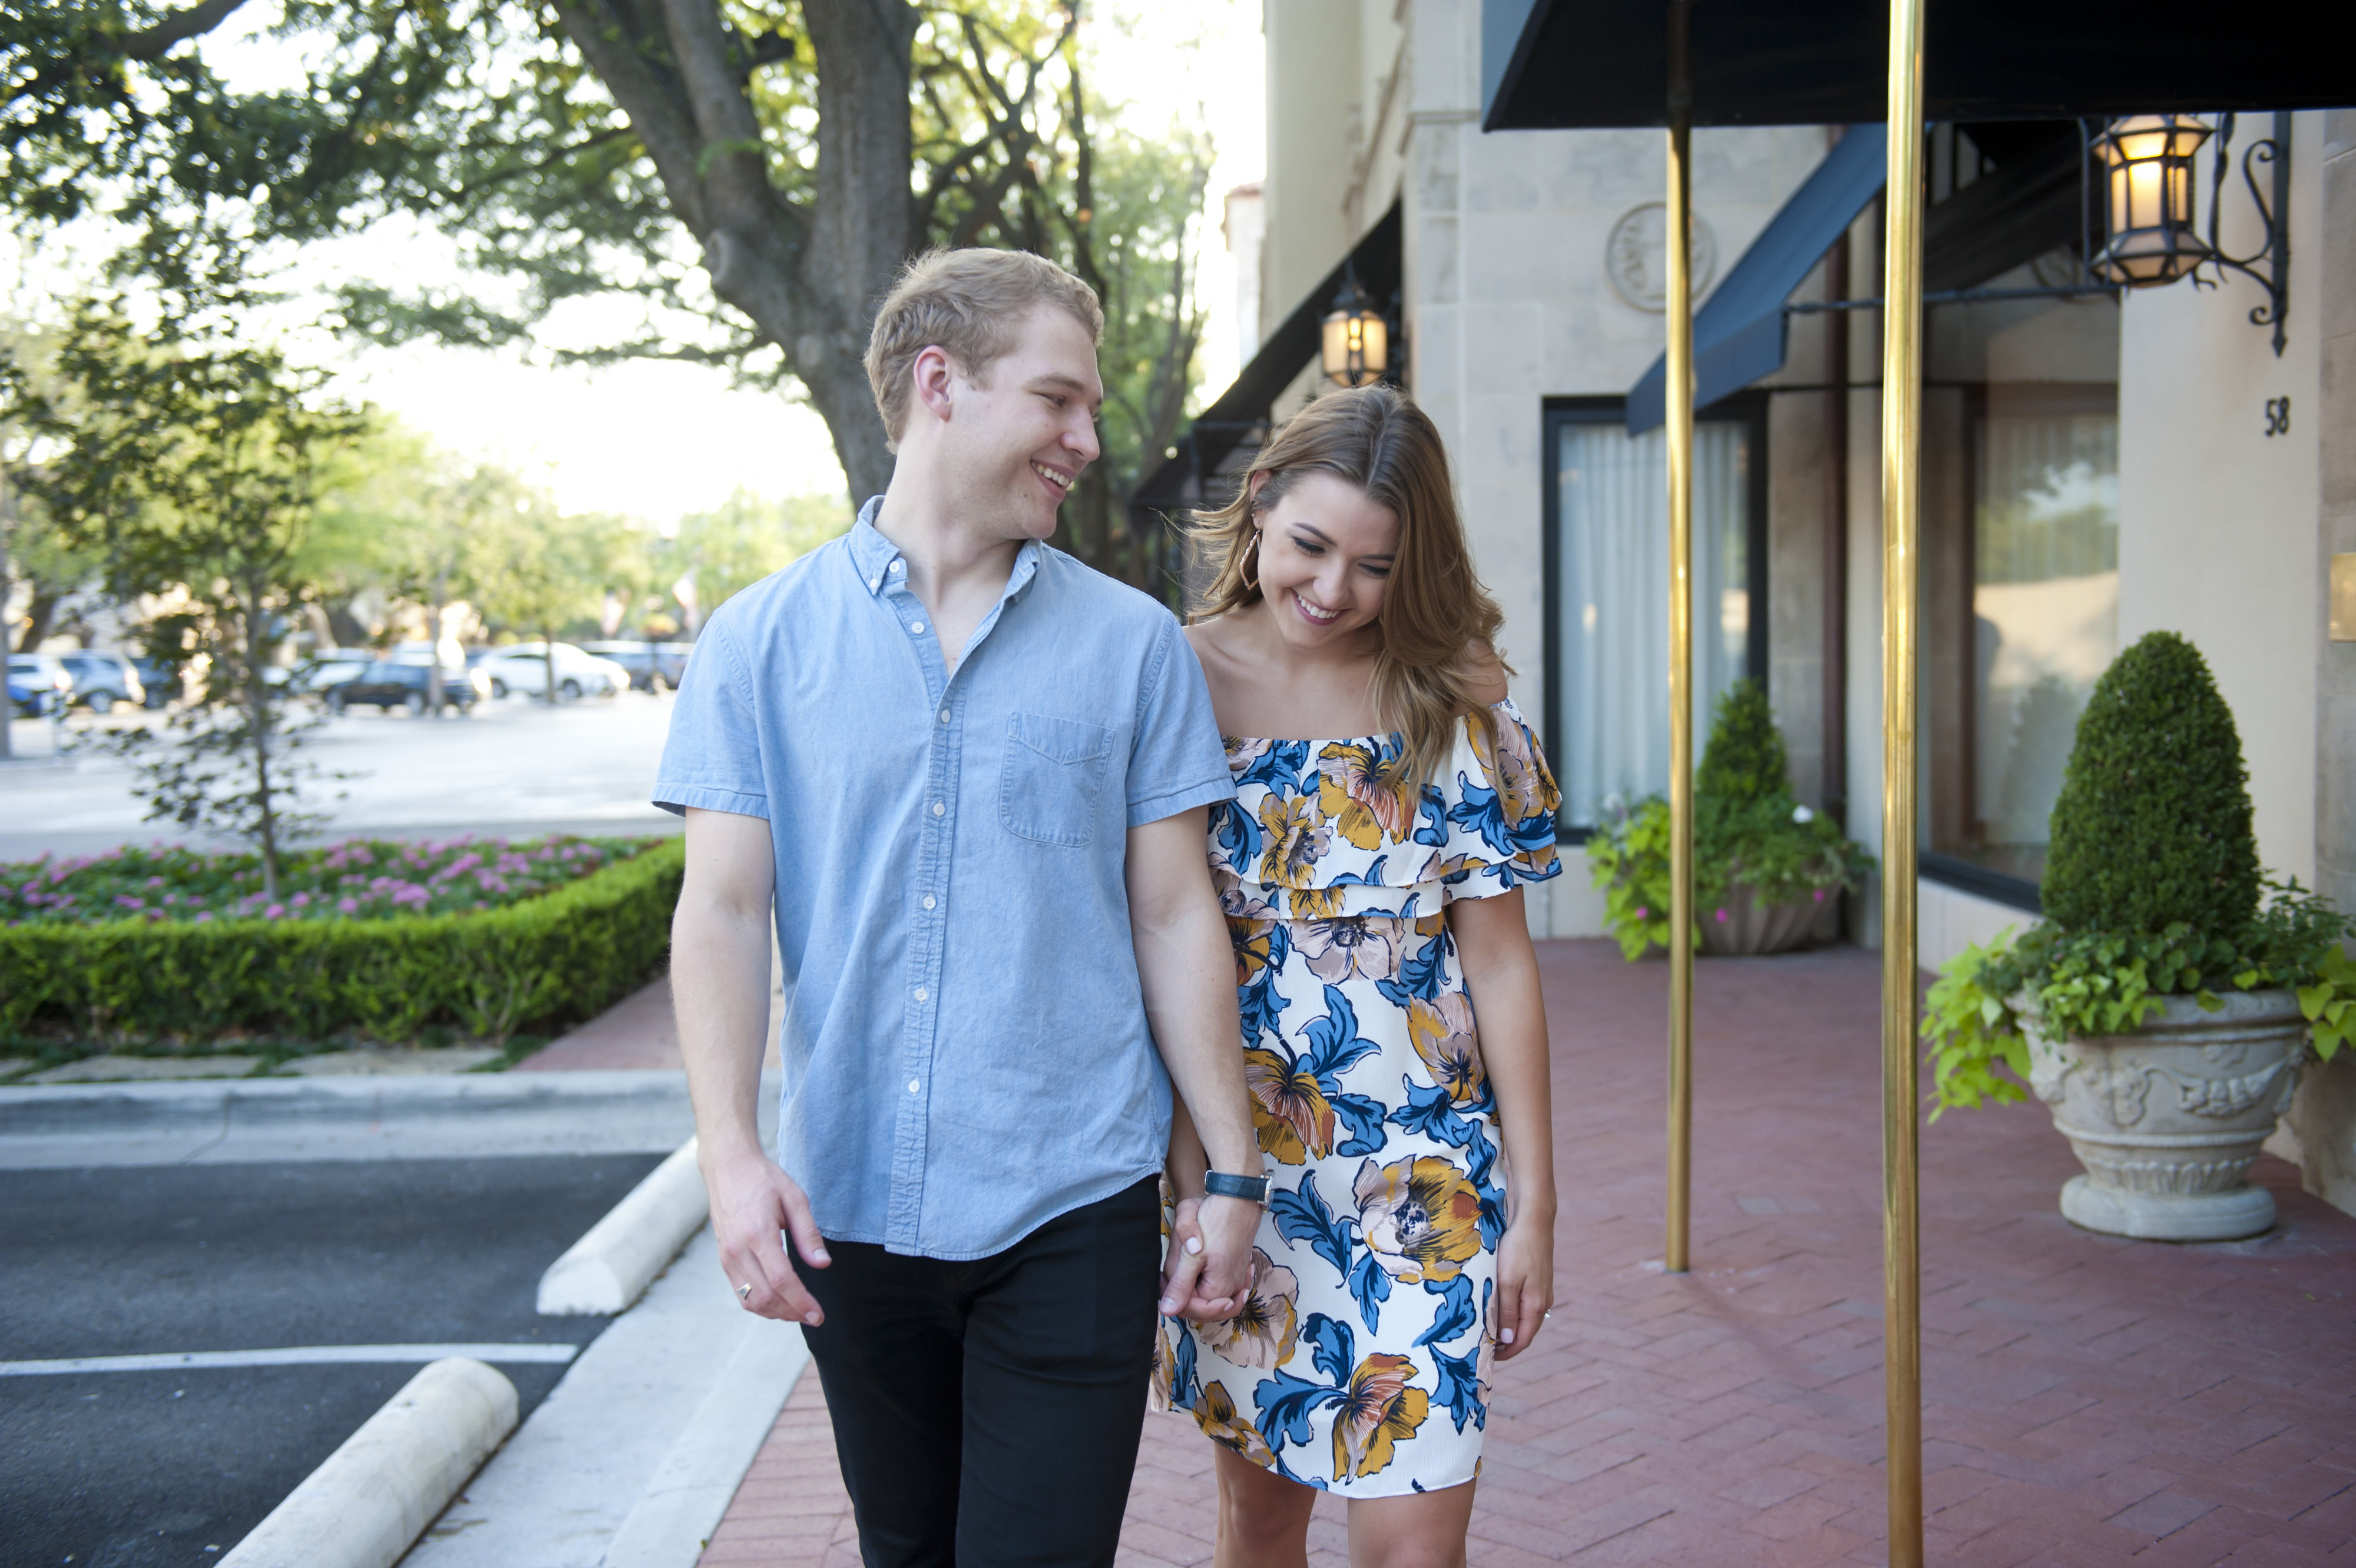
[1681, 804]
[1902, 435]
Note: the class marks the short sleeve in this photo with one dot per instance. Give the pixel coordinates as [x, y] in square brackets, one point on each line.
[1176, 760]
[1504, 818]
[713, 758]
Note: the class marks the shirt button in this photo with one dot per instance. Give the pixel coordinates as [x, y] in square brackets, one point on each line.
[899, 566]
[944, 716]
[920, 993]
[928, 900]
[918, 625]
[914, 1085]
[939, 810]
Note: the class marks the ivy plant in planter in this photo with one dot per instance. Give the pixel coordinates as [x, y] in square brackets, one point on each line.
[2165, 1006]
[1763, 863]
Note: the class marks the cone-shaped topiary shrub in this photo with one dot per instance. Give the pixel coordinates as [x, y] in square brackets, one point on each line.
[2153, 822]
[1745, 759]
[1748, 829]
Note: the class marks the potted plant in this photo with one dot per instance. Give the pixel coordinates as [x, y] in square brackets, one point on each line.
[2166, 1004]
[1764, 865]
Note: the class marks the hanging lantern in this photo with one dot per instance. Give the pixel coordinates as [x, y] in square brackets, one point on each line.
[2147, 186]
[1356, 348]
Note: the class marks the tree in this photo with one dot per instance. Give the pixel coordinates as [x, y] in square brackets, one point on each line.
[1135, 202]
[425, 525]
[193, 470]
[752, 175]
[739, 542]
[533, 570]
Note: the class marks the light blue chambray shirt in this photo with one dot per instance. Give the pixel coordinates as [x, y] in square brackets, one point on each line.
[965, 1048]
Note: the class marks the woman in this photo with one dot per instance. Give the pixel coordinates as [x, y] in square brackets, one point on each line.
[1391, 802]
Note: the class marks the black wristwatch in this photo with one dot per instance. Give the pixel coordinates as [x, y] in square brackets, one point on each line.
[1226, 1184]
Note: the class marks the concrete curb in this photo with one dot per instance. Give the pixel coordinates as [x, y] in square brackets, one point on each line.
[650, 1430]
[610, 1267]
[690, 1495]
[377, 1493]
[448, 1116]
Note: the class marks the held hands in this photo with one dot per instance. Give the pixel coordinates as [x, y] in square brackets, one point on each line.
[1208, 1270]
[753, 1202]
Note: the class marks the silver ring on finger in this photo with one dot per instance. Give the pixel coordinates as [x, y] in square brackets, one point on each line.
[743, 1293]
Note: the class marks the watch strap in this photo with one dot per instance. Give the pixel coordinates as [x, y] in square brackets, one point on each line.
[1226, 1184]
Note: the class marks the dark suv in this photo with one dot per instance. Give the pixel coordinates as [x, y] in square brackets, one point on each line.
[389, 686]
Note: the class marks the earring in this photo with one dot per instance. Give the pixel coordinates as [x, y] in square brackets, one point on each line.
[1250, 578]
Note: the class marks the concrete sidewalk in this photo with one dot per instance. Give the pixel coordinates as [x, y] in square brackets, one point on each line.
[2087, 1400]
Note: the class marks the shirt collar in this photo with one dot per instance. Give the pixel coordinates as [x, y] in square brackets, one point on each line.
[870, 553]
[876, 557]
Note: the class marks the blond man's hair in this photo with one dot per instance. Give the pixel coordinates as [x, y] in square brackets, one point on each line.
[967, 304]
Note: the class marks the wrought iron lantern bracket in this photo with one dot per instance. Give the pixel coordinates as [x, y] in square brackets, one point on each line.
[2275, 252]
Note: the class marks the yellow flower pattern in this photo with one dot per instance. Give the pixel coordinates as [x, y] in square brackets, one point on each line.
[1382, 1412]
[1359, 1360]
[1366, 791]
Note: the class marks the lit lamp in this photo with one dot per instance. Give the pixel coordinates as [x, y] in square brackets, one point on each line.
[2147, 181]
[1357, 340]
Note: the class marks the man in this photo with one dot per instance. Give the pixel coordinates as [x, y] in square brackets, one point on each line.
[971, 775]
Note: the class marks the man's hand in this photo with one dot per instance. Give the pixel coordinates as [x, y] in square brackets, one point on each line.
[752, 1204]
[1208, 1275]
[1229, 1226]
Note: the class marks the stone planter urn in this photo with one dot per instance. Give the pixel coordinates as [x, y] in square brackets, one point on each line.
[2167, 1120]
[1750, 927]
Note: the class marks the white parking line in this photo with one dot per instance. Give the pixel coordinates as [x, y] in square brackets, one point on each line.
[297, 1355]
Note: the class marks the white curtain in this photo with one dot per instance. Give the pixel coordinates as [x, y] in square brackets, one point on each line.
[2046, 597]
[1614, 598]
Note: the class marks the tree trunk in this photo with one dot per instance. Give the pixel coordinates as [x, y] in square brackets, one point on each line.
[547, 656]
[807, 280]
[256, 698]
[433, 691]
[39, 616]
[7, 589]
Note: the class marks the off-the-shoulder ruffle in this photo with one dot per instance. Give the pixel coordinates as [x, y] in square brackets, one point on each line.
[1323, 828]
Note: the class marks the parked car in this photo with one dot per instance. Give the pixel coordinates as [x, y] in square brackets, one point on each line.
[38, 685]
[653, 666]
[103, 678]
[386, 685]
[160, 677]
[328, 669]
[521, 668]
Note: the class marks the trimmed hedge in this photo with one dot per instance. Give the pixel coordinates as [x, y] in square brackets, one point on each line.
[548, 961]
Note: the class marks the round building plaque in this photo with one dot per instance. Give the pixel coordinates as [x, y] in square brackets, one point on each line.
[1636, 256]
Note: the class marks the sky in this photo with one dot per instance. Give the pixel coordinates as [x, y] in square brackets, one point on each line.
[656, 440]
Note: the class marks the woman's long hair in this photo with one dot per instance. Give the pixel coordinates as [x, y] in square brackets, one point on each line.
[1434, 606]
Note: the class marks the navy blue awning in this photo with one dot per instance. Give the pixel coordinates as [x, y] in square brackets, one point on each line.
[1739, 331]
[1559, 65]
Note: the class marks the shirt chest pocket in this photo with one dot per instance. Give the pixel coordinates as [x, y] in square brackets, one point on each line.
[1051, 786]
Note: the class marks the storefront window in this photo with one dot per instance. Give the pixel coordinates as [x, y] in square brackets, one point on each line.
[2045, 604]
[1608, 597]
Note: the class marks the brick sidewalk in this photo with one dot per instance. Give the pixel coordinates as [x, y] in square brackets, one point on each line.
[2087, 1400]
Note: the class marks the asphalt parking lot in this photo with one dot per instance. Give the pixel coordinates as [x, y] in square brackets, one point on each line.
[125, 1470]
[515, 768]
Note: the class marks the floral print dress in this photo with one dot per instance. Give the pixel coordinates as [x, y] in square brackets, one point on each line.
[1360, 1363]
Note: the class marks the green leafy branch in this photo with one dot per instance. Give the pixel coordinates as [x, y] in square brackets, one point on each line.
[2089, 984]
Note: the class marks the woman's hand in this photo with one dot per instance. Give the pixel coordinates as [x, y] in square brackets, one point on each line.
[1184, 1267]
[1525, 1283]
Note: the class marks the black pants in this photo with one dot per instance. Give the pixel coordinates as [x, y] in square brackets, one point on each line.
[988, 1413]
